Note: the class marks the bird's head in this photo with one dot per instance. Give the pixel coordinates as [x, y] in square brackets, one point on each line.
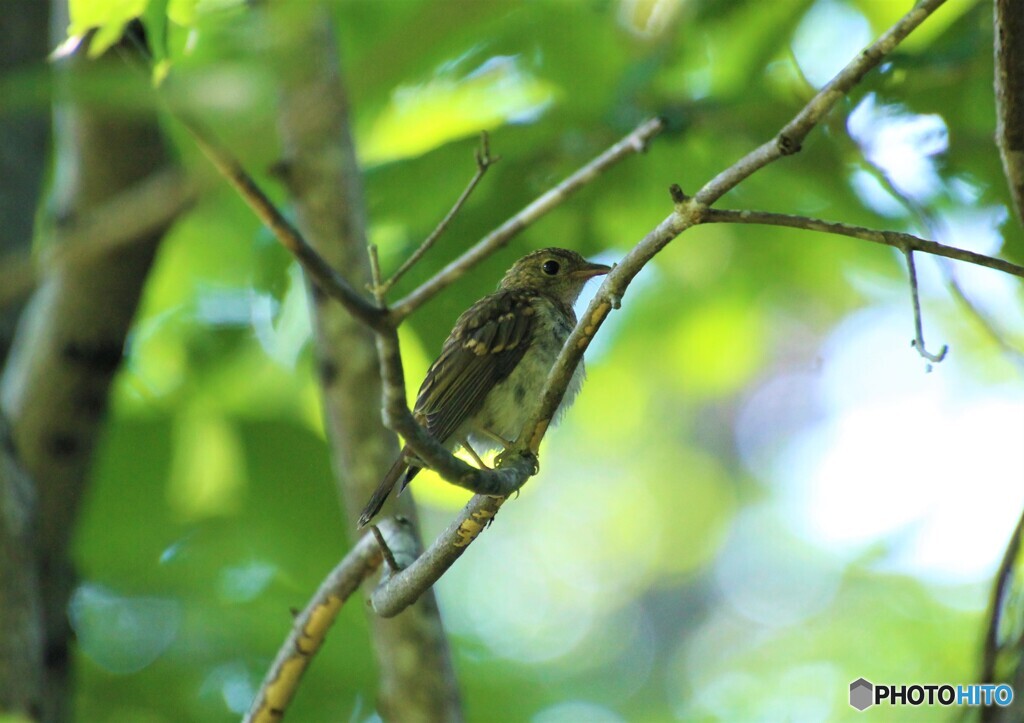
[558, 273]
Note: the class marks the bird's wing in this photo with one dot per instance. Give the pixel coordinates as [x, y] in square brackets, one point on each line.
[487, 343]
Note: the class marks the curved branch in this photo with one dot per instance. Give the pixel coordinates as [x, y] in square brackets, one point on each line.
[311, 625]
[325, 276]
[918, 341]
[888, 238]
[399, 590]
[997, 605]
[416, 678]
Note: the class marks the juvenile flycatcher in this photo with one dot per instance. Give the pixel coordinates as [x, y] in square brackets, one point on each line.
[493, 365]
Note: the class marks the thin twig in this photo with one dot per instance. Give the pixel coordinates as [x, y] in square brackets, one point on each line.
[790, 139]
[377, 288]
[389, 556]
[484, 160]
[918, 342]
[311, 625]
[634, 142]
[934, 226]
[888, 238]
[326, 277]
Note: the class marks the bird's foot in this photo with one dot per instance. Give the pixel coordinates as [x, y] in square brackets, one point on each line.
[510, 455]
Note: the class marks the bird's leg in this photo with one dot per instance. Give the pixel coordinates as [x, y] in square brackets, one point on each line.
[472, 453]
[505, 444]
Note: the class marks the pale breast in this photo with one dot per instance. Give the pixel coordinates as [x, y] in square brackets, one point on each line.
[507, 406]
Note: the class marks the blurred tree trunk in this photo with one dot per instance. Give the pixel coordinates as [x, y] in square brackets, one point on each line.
[1009, 65]
[70, 339]
[417, 681]
[24, 36]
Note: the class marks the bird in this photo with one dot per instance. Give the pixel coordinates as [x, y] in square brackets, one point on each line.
[495, 361]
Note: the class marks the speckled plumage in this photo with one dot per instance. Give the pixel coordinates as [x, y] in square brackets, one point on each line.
[494, 363]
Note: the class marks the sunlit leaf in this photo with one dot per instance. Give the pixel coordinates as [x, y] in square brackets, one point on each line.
[444, 108]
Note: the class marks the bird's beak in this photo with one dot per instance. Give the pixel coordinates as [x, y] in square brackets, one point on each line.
[589, 271]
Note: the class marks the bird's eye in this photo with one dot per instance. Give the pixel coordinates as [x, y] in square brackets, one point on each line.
[550, 267]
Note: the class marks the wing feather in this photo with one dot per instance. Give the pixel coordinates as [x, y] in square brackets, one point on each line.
[488, 341]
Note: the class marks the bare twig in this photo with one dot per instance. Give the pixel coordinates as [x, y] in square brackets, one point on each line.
[375, 283]
[888, 238]
[934, 226]
[322, 273]
[918, 342]
[791, 137]
[484, 160]
[389, 556]
[416, 677]
[634, 142]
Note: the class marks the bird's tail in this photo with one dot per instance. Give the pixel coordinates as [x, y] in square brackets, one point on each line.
[399, 470]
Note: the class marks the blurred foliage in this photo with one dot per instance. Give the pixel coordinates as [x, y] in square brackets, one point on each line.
[654, 570]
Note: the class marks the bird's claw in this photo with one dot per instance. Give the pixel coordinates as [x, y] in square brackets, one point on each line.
[509, 455]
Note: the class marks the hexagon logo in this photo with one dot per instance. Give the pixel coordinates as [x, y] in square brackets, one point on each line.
[861, 694]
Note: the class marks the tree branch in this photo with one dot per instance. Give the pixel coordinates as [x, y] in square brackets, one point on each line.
[70, 342]
[326, 277]
[311, 625]
[634, 142]
[1009, 62]
[484, 160]
[918, 341]
[1004, 578]
[397, 591]
[417, 679]
[790, 139]
[888, 238]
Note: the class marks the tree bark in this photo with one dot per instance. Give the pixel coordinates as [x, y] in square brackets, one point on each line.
[24, 38]
[417, 681]
[69, 342]
[1009, 50]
